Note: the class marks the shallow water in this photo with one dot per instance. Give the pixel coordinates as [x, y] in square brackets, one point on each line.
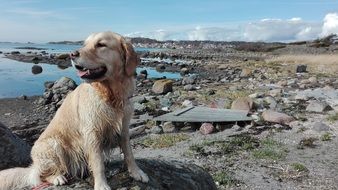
[16, 77]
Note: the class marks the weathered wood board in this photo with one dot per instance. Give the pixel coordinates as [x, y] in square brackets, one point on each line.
[204, 114]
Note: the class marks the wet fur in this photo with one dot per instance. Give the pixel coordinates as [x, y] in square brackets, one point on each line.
[93, 119]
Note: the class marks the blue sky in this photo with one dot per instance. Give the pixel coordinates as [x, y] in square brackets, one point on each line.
[250, 20]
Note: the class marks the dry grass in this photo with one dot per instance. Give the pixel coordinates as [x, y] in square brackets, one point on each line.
[323, 63]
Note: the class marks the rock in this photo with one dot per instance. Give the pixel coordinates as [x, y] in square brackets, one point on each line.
[225, 80]
[189, 87]
[23, 97]
[56, 97]
[184, 71]
[156, 129]
[304, 82]
[49, 84]
[292, 82]
[313, 80]
[207, 128]
[48, 95]
[165, 102]
[187, 103]
[318, 107]
[14, 152]
[139, 108]
[282, 83]
[242, 103]
[36, 69]
[141, 77]
[189, 80]
[275, 92]
[319, 127]
[36, 59]
[276, 117]
[162, 86]
[63, 56]
[257, 95]
[211, 92]
[256, 118]
[301, 68]
[65, 82]
[272, 103]
[163, 175]
[330, 95]
[160, 67]
[144, 72]
[15, 52]
[246, 73]
[169, 127]
[59, 103]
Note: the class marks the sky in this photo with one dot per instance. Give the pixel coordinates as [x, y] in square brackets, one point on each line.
[222, 20]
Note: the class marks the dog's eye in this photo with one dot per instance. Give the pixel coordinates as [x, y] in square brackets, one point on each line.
[100, 44]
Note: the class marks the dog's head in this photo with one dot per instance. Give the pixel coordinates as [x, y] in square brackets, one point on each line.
[105, 56]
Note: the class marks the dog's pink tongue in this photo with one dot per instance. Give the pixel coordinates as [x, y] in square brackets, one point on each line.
[82, 73]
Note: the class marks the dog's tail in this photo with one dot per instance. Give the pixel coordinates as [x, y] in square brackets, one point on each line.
[17, 178]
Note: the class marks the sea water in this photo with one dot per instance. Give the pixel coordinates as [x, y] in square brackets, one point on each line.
[17, 79]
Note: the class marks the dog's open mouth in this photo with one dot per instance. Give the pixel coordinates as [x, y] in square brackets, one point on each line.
[86, 73]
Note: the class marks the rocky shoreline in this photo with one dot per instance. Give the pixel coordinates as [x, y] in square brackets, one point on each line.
[290, 144]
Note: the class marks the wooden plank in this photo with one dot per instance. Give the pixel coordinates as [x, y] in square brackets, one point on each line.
[205, 114]
[183, 111]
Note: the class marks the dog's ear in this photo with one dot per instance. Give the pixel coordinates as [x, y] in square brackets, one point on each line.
[131, 60]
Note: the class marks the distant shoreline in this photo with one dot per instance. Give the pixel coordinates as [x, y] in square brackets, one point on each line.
[67, 42]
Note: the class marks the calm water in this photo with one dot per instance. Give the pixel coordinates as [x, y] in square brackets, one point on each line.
[17, 79]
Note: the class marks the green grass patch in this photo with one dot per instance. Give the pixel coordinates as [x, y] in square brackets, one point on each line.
[326, 137]
[222, 147]
[307, 142]
[301, 129]
[165, 140]
[299, 167]
[332, 118]
[270, 150]
[225, 179]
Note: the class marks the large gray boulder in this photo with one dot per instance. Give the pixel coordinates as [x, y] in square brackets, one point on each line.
[162, 174]
[65, 82]
[14, 152]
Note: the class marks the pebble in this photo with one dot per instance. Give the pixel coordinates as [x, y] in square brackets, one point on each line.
[156, 130]
[189, 87]
[169, 127]
[207, 128]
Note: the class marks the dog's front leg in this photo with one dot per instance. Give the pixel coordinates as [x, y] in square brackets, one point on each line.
[96, 164]
[134, 171]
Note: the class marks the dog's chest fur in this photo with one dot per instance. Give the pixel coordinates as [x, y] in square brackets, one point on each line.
[104, 120]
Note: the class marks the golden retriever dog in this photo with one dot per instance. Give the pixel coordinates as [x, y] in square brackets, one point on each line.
[92, 120]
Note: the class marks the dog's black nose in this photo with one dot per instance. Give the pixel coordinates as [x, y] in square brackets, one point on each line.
[74, 54]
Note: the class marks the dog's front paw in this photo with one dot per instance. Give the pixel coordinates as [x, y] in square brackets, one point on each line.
[60, 180]
[101, 186]
[139, 175]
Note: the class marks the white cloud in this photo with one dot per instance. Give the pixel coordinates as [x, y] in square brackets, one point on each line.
[330, 25]
[293, 29]
[281, 30]
[197, 33]
[30, 12]
[214, 33]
